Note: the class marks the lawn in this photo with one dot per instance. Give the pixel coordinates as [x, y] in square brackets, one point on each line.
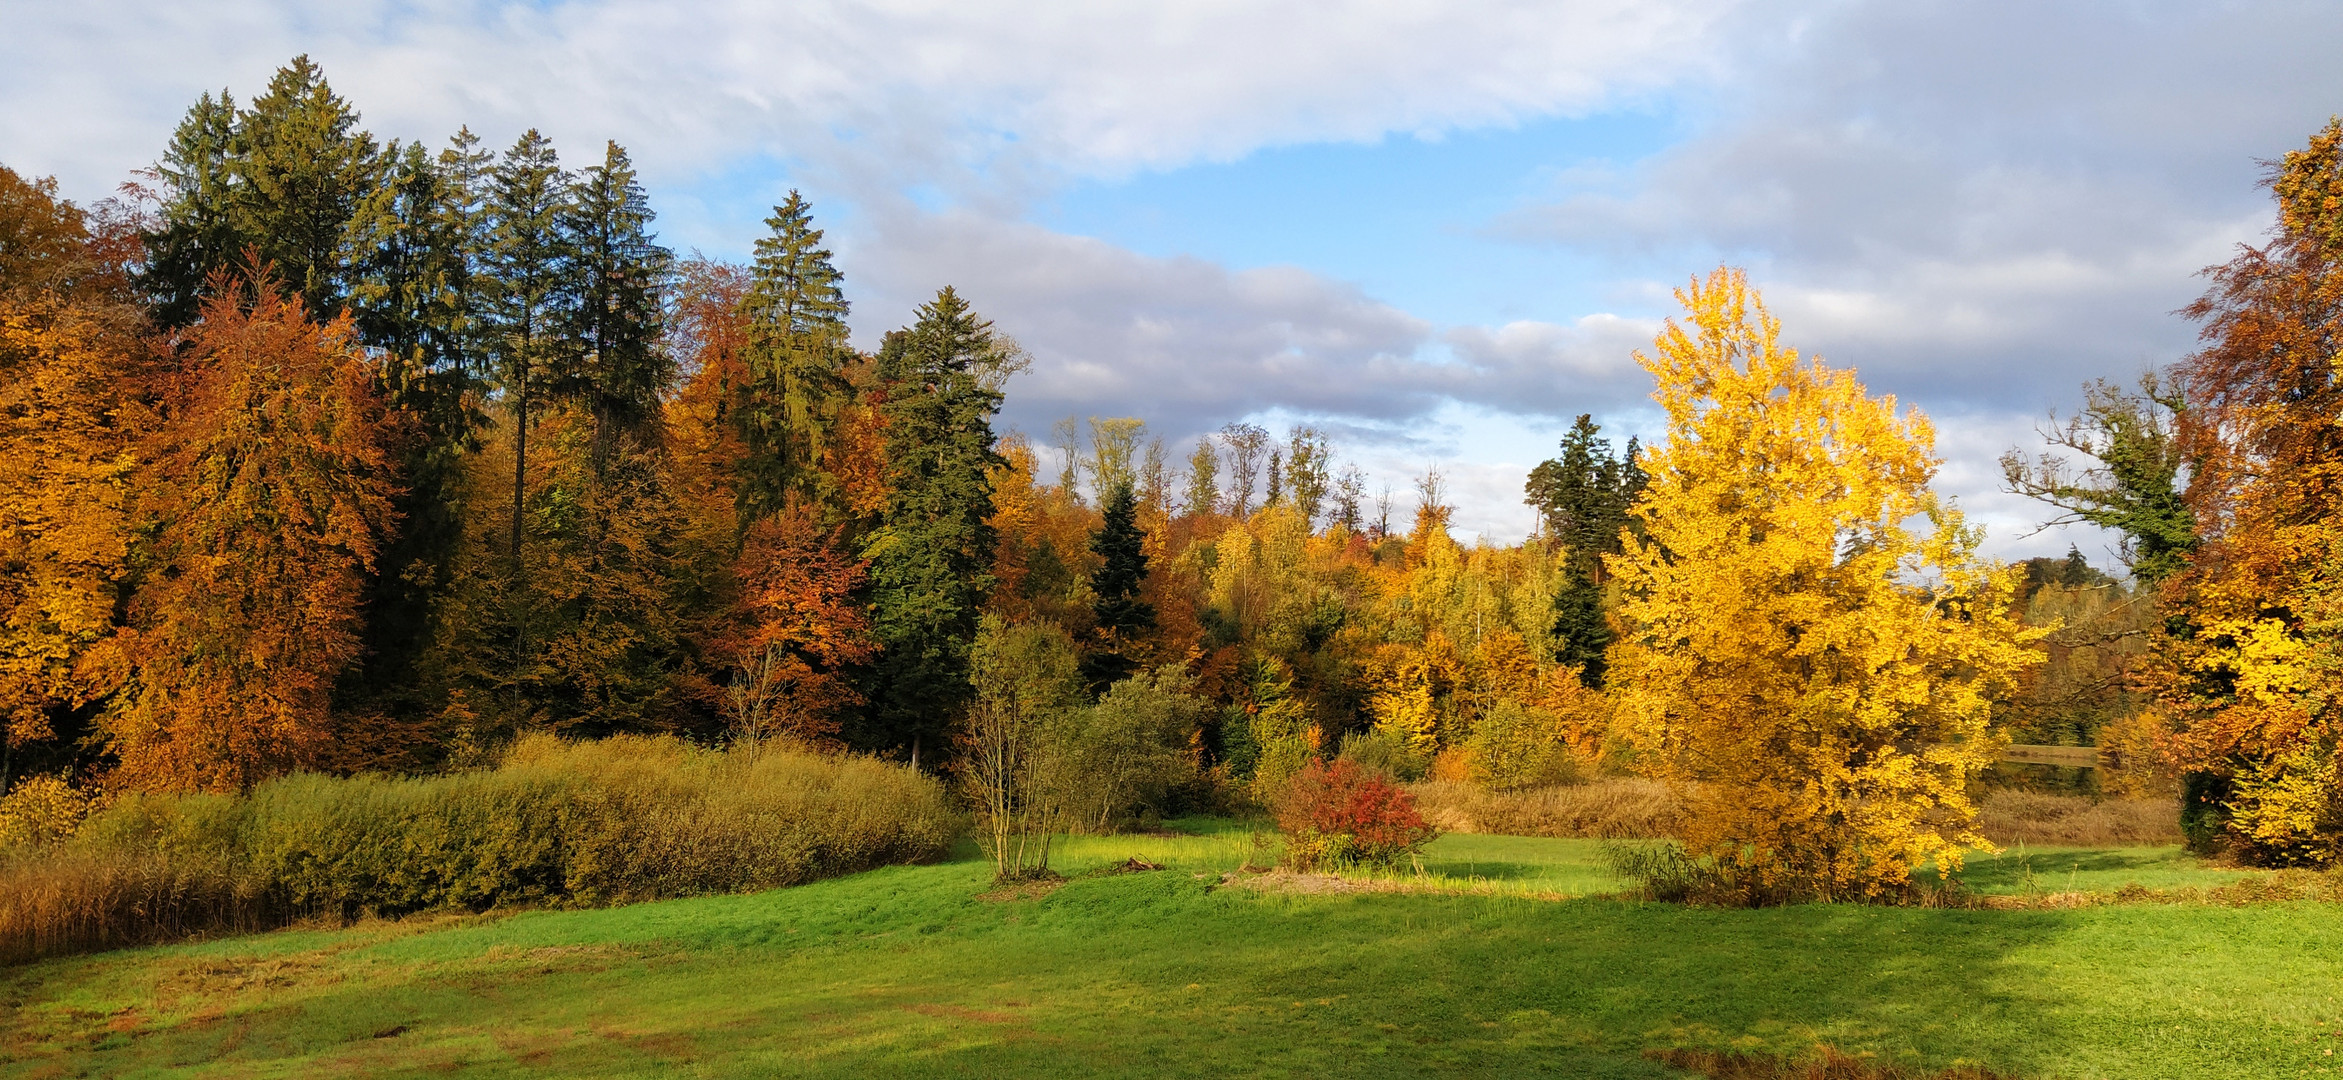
[912, 971]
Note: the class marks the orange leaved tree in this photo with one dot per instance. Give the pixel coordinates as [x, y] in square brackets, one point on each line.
[269, 489]
[2253, 673]
[1814, 676]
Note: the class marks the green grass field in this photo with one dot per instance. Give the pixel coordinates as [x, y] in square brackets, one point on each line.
[911, 971]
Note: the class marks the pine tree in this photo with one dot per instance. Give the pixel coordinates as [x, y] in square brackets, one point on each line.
[621, 276]
[931, 553]
[531, 291]
[796, 350]
[1122, 616]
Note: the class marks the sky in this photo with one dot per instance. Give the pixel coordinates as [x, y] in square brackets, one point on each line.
[1436, 230]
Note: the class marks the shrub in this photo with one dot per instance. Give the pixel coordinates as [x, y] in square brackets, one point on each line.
[1127, 753]
[1519, 746]
[565, 824]
[1341, 813]
[1026, 679]
[40, 811]
[1385, 752]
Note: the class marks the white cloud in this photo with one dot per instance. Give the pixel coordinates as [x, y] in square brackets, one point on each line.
[919, 89]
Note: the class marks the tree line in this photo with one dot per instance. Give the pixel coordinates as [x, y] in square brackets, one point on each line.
[329, 454]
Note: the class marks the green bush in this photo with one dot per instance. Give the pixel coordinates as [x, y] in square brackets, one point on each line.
[1127, 754]
[1519, 746]
[563, 824]
[1386, 753]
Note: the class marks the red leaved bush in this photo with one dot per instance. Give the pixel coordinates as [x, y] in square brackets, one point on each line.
[1342, 813]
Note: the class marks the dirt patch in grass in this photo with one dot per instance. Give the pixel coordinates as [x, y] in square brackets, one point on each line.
[1826, 1063]
[1011, 892]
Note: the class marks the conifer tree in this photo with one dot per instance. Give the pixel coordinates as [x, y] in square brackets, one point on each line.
[412, 299]
[796, 350]
[531, 293]
[1122, 616]
[285, 177]
[617, 322]
[1582, 499]
[931, 554]
[197, 234]
[302, 168]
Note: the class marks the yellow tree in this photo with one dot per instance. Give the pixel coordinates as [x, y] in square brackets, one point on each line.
[71, 376]
[1816, 678]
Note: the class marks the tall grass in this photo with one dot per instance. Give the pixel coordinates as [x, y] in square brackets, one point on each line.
[1627, 808]
[561, 824]
[1618, 808]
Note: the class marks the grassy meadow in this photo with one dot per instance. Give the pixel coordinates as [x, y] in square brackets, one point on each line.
[1471, 968]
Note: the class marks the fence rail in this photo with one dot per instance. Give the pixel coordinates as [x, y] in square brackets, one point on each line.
[2073, 757]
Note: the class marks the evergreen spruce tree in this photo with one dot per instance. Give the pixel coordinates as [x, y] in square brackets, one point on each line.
[283, 179]
[302, 169]
[1582, 499]
[531, 293]
[931, 553]
[196, 233]
[1122, 616]
[796, 350]
[620, 277]
[411, 300]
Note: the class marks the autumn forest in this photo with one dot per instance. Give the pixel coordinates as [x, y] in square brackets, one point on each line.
[346, 476]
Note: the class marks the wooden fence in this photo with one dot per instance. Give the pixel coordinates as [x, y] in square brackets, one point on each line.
[2073, 757]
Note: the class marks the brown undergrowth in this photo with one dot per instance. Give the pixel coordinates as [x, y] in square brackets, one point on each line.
[556, 825]
[1627, 808]
[1622, 808]
[1825, 1063]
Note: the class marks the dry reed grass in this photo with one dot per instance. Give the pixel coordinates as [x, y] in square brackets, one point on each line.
[1612, 809]
[1626, 808]
[563, 824]
[2025, 817]
[73, 901]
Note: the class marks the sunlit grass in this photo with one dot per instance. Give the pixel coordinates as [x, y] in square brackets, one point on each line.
[913, 971]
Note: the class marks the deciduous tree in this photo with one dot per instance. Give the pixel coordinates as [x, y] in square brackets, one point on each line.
[1816, 678]
[2250, 671]
[271, 489]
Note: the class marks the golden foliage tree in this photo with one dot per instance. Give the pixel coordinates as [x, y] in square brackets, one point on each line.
[1814, 676]
[270, 489]
[69, 378]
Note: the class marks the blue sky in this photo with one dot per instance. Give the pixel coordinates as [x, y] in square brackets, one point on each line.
[1437, 230]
